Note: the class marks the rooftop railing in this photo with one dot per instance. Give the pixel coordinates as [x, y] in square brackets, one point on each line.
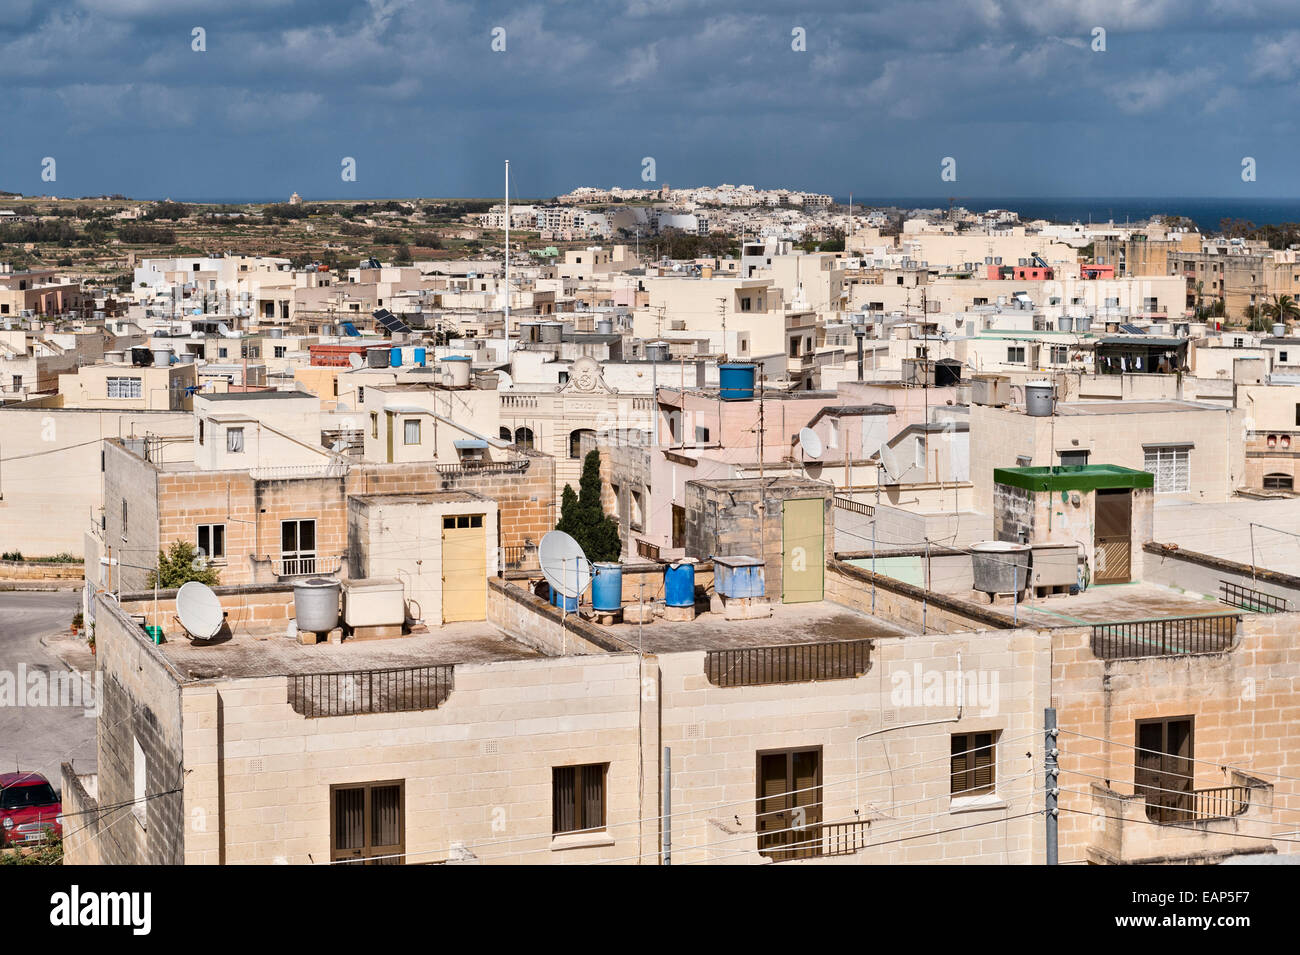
[348, 693]
[788, 663]
[1162, 637]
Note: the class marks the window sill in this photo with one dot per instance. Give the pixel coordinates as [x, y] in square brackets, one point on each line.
[980, 803]
[580, 840]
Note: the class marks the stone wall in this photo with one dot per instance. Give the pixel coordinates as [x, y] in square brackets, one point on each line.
[907, 605]
[1245, 704]
[141, 704]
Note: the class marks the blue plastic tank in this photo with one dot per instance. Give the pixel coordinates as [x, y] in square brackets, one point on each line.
[607, 586]
[570, 604]
[419, 356]
[396, 361]
[736, 381]
[679, 583]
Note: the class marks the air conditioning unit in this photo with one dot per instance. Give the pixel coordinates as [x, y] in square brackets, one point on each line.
[991, 390]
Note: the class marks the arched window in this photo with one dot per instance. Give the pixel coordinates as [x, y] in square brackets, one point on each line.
[575, 441]
[1279, 482]
[524, 437]
[505, 434]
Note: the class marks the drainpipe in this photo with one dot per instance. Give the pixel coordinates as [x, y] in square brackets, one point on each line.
[857, 777]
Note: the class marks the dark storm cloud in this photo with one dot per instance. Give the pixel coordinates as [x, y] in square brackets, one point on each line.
[413, 91]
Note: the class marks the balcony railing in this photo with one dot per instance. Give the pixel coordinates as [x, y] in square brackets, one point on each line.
[788, 663]
[1247, 598]
[306, 566]
[347, 693]
[1170, 636]
[815, 840]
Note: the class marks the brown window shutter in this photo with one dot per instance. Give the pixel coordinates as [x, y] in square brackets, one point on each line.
[564, 798]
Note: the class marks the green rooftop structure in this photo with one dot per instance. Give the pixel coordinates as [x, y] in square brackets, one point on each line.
[1074, 477]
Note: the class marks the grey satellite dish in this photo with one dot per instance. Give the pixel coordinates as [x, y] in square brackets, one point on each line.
[199, 610]
[354, 360]
[811, 444]
[564, 565]
[889, 459]
[504, 381]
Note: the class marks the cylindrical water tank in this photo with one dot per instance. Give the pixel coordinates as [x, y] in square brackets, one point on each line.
[185, 358]
[1082, 323]
[115, 357]
[736, 380]
[395, 361]
[378, 357]
[1279, 330]
[656, 351]
[1038, 399]
[162, 356]
[607, 586]
[457, 369]
[679, 583]
[1000, 567]
[605, 327]
[420, 356]
[569, 604]
[1065, 324]
[552, 332]
[316, 604]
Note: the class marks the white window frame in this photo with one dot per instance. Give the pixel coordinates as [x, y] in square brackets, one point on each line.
[235, 440]
[124, 387]
[211, 550]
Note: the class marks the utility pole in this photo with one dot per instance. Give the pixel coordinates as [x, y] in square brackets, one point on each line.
[722, 313]
[507, 309]
[668, 806]
[1053, 790]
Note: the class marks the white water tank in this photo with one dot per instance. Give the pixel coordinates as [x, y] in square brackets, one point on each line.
[162, 357]
[456, 371]
[374, 602]
[1000, 567]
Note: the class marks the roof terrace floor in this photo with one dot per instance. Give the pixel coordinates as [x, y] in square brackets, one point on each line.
[1110, 603]
[819, 622]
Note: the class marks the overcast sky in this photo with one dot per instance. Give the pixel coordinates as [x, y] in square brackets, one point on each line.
[412, 89]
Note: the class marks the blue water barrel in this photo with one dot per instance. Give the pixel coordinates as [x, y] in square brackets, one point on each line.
[419, 356]
[607, 586]
[736, 381]
[396, 361]
[570, 603]
[679, 583]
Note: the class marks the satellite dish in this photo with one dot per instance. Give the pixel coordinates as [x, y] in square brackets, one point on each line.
[338, 446]
[199, 610]
[355, 360]
[341, 407]
[564, 565]
[504, 381]
[890, 460]
[811, 444]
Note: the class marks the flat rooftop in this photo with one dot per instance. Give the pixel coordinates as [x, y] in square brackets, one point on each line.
[1131, 407]
[819, 622]
[265, 651]
[1112, 603]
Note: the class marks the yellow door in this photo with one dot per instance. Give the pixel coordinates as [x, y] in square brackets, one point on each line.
[803, 560]
[464, 568]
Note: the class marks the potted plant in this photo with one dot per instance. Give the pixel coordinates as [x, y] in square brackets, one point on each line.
[77, 621]
[90, 641]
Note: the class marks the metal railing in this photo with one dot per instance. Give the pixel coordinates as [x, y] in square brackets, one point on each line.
[1246, 598]
[857, 507]
[788, 663]
[307, 566]
[348, 693]
[844, 838]
[519, 557]
[1170, 636]
[1198, 805]
[517, 466]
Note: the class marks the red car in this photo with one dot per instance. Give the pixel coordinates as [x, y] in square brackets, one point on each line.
[29, 809]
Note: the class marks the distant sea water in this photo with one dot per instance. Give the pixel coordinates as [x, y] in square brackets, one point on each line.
[1206, 213]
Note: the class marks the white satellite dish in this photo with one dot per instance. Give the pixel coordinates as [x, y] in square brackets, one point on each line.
[199, 610]
[504, 381]
[338, 446]
[564, 565]
[340, 407]
[811, 444]
[355, 360]
[889, 459]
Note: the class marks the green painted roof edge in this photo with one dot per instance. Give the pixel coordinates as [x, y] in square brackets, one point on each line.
[1074, 478]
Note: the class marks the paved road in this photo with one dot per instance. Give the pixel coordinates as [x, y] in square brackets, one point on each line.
[39, 737]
